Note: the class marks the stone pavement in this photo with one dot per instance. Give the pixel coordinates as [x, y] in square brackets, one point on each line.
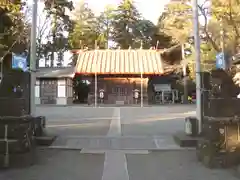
[116, 144]
[57, 164]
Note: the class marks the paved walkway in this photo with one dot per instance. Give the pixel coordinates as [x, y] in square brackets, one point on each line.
[116, 144]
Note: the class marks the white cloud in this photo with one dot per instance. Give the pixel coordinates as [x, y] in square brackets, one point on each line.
[151, 9]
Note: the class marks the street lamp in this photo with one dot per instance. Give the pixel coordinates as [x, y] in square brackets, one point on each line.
[198, 63]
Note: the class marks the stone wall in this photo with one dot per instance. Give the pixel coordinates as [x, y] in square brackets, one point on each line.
[48, 91]
[54, 91]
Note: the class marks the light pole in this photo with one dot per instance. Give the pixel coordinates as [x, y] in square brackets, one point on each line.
[95, 84]
[33, 57]
[141, 85]
[95, 77]
[198, 63]
[141, 66]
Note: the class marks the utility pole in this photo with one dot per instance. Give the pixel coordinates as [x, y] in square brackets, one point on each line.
[198, 63]
[33, 58]
[95, 78]
[142, 77]
[222, 45]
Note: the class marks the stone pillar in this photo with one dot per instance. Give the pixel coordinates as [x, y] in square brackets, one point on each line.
[37, 92]
[61, 92]
[163, 97]
[69, 91]
[174, 94]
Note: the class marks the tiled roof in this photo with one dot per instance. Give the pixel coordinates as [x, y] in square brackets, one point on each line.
[120, 62]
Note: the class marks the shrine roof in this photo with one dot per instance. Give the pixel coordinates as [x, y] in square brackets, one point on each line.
[120, 62]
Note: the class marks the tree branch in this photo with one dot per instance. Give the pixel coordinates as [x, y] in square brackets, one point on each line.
[232, 21]
[215, 46]
[42, 29]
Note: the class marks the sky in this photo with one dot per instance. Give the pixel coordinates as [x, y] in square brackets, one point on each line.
[150, 9]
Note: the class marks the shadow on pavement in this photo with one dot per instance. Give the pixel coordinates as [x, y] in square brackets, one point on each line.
[59, 165]
[169, 165]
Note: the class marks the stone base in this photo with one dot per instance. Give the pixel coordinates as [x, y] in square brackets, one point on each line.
[46, 140]
[39, 125]
[19, 160]
[184, 140]
[69, 100]
[64, 100]
[120, 102]
[37, 100]
[61, 101]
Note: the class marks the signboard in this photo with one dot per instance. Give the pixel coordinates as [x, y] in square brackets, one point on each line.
[220, 61]
[162, 87]
[19, 62]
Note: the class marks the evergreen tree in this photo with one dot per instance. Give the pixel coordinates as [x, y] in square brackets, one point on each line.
[60, 22]
[104, 27]
[126, 18]
[84, 29]
[13, 30]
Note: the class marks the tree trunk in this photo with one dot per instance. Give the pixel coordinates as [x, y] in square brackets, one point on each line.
[54, 39]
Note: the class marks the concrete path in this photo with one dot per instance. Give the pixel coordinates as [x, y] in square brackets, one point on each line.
[115, 165]
[120, 143]
[115, 145]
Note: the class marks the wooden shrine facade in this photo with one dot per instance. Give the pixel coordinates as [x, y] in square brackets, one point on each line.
[116, 75]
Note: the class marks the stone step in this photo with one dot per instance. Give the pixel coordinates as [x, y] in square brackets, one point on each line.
[115, 143]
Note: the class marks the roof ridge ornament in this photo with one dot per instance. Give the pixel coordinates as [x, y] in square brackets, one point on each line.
[141, 45]
[156, 47]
